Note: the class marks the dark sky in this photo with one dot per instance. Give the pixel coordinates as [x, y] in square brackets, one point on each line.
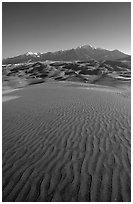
[42, 27]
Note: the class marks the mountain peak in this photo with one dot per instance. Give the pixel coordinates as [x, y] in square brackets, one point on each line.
[31, 53]
[83, 53]
[86, 47]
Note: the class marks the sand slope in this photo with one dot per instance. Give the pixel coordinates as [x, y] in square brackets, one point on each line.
[66, 144]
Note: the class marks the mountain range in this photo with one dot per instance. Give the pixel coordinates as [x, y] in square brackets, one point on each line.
[82, 53]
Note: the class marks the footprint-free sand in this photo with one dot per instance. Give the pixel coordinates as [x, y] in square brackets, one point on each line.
[66, 143]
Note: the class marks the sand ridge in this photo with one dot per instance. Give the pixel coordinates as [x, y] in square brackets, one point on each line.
[66, 144]
[8, 90]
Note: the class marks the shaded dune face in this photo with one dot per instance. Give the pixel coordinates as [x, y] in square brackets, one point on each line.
[66, 144]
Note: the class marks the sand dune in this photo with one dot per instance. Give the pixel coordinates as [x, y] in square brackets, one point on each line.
[7, 90]
[63, 143]
[8, 98]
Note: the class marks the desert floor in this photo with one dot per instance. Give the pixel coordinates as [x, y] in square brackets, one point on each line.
[66, 142]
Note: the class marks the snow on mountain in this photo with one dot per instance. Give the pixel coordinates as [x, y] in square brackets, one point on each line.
[37, 54]
[82, 53]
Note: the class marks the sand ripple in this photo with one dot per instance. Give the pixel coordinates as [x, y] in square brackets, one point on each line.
[66, 144]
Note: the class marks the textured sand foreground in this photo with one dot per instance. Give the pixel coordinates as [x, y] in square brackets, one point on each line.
[63, 143]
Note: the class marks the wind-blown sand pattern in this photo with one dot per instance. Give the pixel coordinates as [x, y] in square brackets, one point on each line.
[7, 91]
[63, 143]
[8, 98]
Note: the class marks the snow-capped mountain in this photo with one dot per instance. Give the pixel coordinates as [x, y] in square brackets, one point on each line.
[82, 53]
[31, 53]
[35, 54]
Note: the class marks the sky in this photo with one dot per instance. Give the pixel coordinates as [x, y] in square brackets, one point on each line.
[44, 27]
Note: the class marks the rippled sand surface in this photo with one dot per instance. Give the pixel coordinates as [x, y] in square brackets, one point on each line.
[66, 143]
